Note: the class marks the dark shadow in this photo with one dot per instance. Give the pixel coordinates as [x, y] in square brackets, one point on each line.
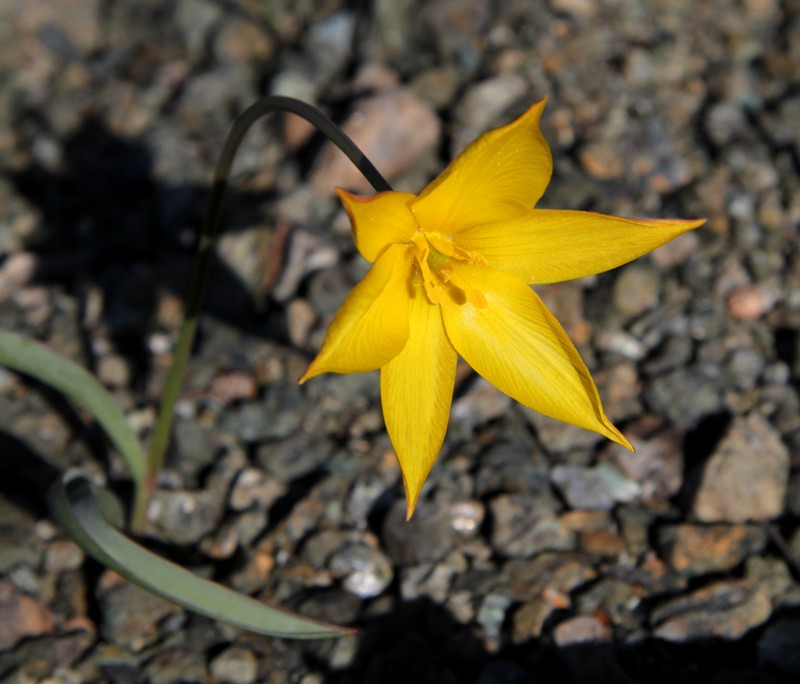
[787, 348]
[698, 445]
[107, 222]
[25, 475]
[420, 642]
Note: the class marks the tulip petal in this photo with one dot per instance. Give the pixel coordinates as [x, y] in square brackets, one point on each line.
[379, 220]
[514, 342]
[552, 245]
[498, 176]
[371, 326]
[416, 393]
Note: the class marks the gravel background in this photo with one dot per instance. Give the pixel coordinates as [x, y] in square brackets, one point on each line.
[539, 552]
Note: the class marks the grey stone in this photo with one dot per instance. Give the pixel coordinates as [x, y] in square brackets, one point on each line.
[459, 29]
[194, 443]
[278, 416]
[364, 570]
[320, 546]
[289, 459]
[254, 489]
[332, 605]
[491, 616]
[427, 537]
[513, 466]
[131, 615]
[236, 532]
[482, 403]
[184, 517]
[523, 526]
[483, 105]
[307, 253]
[329, 42]
[20, 544]
[597, 488]
[667, 395]
[637, 290]
[657, 464]
[559, 437]
[432, 580]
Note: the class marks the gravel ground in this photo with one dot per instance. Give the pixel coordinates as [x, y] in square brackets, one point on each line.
[539, 553]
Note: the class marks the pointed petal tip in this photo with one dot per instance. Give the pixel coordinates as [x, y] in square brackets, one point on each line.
[534, 111]
[627, 444]
[348, 199]
[685, 224]
[307, 375]
[411, 503]
[616, 436]
[346, 196]
[412, 490]
[315, 368]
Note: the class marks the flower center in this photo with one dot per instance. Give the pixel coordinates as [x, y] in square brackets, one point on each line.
[436, 256]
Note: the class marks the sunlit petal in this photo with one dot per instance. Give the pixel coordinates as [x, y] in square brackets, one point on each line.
[416, 392]
[379, 220]
[551, 245]
[518, 345]
[498, 176]
[371, 326]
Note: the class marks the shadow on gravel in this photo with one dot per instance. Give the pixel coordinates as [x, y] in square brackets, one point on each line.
[107, 222]
[420, 642]
[25, 475]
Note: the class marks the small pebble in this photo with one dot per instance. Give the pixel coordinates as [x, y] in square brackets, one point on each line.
[235, 665]
[746, 477]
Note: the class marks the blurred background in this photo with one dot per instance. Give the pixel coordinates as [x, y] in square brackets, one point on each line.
[539, 552]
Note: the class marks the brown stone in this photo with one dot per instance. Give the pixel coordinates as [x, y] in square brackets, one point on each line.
[746, 476]
[603, 160]
[21, 616]
[696, 549]
[229, 387]
[580, 630]
[394, 129]
[529, 620]
[749, 303]
[725, 610]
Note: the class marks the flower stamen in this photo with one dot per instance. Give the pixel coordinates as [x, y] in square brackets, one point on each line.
[435, 257]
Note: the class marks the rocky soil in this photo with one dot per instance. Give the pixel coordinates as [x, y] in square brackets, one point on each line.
[539, 552]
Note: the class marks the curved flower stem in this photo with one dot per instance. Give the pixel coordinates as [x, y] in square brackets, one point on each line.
[202, 264]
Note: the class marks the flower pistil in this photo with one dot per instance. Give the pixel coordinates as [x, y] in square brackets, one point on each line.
[435, 257]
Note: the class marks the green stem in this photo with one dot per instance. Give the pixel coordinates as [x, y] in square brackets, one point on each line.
[202, 265]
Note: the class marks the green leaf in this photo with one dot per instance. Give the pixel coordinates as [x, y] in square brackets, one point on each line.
[36, 360]
[81, 509]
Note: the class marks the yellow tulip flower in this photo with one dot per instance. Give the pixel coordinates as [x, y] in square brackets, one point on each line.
[451, 270]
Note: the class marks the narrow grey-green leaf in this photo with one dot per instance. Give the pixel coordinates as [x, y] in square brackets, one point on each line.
[80, 386]
[74, 504]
